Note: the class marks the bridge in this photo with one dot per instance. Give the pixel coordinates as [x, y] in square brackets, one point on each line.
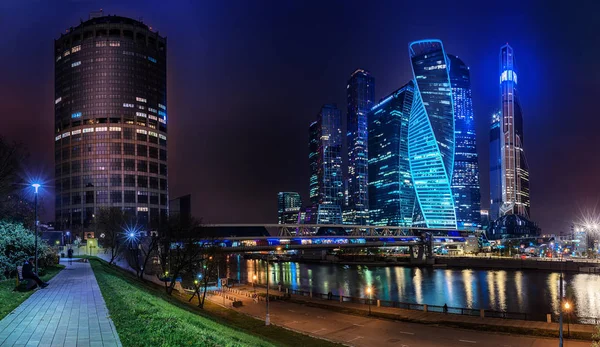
[420, 241]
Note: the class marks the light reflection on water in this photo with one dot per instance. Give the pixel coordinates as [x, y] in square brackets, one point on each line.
[513, 291]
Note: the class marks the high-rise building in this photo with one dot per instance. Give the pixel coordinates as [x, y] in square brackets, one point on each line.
[110, 121]
[431, 143]
[325, 158]
[391, 192]
[495, 168]
[360, 91]
[181, 208]
[515, 171]
[288, 207]
[465, 177]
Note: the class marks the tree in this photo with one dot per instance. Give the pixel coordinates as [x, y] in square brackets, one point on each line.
[596, 337]
[12, 205]
[16, 245]
[111, 224]
[181, 249]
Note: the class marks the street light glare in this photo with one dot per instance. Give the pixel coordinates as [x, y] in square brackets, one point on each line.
[567, 305]
[36, 186]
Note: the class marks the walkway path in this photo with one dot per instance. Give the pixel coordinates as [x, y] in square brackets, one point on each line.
[69, 312]
[367, 331]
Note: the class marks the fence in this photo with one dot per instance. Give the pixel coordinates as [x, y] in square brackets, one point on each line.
[449, 310]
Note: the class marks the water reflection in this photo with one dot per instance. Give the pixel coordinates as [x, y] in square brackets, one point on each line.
[515, 291]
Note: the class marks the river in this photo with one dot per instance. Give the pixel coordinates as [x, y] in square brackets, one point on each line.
[532, 292]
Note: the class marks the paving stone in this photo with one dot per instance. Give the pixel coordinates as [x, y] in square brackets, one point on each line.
[69, 312]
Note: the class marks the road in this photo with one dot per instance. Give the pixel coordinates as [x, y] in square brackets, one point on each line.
[364, 331]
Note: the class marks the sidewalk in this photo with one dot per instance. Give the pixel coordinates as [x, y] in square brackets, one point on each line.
[414, 315]
[69, 312]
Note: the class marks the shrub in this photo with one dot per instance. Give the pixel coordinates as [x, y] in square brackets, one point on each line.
[17, 244]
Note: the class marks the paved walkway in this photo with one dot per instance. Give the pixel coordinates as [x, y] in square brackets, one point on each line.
[69, 312]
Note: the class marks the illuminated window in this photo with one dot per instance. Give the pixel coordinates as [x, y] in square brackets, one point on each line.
[162, 106]
[76, 49]
[152, 117]
[75, 132]
[140, 107]
[128, 105]
[57, 138]
[142, 131]
[137, 98]
[67, 134]
[59, 58]
[114, 43]
[162, 137]
[152, 133]
[152, 59]
[57, 100]
[88, 130]
[152, 109]
[76, 115]
[102, 129]
[162, 121]
[161, 113]
[66, 53]
[142, 209]
[101, 44]
[115, 129]
[140, 114]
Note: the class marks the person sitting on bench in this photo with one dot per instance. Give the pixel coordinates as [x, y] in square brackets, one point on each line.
[29, 274]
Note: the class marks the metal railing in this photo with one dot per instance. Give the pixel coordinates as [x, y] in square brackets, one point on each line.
[464, 311]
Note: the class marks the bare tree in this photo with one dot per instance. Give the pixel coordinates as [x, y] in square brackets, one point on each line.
[181, 249]
[112, 223]
[139, 251]
[12, 204]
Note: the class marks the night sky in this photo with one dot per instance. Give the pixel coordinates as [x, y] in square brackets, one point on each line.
[245, 79]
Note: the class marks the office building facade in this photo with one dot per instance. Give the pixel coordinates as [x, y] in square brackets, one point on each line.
[288, 207]
[325, 158]
[515, 171]
[391, 192]
[495, 167]
[110, 121]
[431, 141]
[360, 91]
[465, 175]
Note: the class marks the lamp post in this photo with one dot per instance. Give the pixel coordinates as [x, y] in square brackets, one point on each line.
[370, 292]
[267, 318]
[568, 309]
[254, 283]
[36, 186]
[560, 317]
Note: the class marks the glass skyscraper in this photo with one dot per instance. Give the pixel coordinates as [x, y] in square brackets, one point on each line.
[325, 159]
[288, 207]
[110, 122]
[360, 95]
[391, 192]
[431, 140]
[515, 171]
[495, 168]
[465, 177]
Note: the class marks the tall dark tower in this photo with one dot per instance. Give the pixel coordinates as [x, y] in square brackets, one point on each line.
[110, 121]
[360, 92]
[515, 172]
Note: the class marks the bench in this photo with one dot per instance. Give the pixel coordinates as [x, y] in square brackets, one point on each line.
[24, 284]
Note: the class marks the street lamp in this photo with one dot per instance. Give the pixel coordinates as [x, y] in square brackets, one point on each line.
[568, 309]
[36, 186]
[370, 292]
[254, 282]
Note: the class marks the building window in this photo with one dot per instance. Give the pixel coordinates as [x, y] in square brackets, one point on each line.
[152, 59]
[128, 105]
[137, 98]
[142, 150]
[115, 197]
[142, 166]
[129, 181]
[129, 196]
[76, 49]
[77, 63]
[142, 181]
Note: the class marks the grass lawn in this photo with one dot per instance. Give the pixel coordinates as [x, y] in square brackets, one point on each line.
[9, 299]
[145, 316]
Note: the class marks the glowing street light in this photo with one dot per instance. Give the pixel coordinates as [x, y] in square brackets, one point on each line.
[567, 307]
[370, 292]
[254, 282]
[36, 186]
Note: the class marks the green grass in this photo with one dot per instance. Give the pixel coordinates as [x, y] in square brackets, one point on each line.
[10, 299]
[145, 316]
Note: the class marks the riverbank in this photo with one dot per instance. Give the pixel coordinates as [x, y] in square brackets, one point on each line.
[511, 326]
[491, 263]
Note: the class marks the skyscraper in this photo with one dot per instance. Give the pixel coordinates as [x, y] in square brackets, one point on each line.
[391, 192]
[465, 177]
[515, 171]
[495, 168]
[360, 91]
[288, 207]
[431, 141]
[110, 121]
[325, 158]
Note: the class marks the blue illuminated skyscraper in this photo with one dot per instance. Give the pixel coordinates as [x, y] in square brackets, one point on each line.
[465, 177]
[495, 168]
[360, 92]
[325, 157]
[288, 207]
[515, 172]
[391, 192]
[431, 141]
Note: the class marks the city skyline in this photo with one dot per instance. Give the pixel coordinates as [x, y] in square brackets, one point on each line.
[391, 71]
